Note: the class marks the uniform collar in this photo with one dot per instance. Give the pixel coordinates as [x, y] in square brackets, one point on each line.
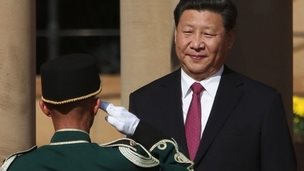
[65, 136]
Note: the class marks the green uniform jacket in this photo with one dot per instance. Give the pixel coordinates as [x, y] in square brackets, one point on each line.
[72, 150]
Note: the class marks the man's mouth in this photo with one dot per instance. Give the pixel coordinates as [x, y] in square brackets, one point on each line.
[197, 57]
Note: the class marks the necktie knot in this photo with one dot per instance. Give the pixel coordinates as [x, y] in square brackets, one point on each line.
[197, 88]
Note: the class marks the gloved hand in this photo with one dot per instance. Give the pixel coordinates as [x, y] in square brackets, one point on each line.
[119, 117]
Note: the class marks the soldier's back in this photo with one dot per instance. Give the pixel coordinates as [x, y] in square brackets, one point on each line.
[74, 157]
[73, 150]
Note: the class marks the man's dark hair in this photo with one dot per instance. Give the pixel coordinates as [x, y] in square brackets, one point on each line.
[226, 8]
[67, 107]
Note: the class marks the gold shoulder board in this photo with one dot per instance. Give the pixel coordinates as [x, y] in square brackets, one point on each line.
[134, 152]
[178, 156]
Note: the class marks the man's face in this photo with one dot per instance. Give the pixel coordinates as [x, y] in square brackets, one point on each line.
[201, 43]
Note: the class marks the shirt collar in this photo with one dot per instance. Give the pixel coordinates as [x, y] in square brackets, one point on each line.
[66, 135]
[210, 84]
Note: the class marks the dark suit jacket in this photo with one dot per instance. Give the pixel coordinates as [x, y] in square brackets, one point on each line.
[246, 129]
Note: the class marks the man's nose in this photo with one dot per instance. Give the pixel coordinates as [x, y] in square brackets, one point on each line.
[197, 43]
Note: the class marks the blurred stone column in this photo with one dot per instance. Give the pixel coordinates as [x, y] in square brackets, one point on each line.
[146, 40]
[17, 75]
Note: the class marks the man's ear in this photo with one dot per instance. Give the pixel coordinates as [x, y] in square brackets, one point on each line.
[96, 105]
[44, 108]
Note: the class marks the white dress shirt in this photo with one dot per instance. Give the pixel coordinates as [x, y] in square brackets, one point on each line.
[207, 97]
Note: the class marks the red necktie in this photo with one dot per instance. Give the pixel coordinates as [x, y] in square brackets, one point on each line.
[193, 121]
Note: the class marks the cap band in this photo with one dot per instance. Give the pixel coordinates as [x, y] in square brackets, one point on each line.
[73, 99]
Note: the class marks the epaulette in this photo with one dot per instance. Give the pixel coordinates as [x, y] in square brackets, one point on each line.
[9, 160]
[134, 152]
[177, 156]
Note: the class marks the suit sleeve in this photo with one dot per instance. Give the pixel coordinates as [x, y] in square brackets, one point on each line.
[277, 151]
[145, 133]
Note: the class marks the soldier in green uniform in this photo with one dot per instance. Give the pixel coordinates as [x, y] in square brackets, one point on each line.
[70, 85]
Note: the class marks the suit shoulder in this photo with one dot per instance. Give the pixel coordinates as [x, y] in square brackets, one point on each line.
[134, 152]
[10, 159]
[170, 78]
[259, 86]
[251, 84]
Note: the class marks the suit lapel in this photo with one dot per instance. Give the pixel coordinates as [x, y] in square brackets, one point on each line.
[173, 102]
[227, 97]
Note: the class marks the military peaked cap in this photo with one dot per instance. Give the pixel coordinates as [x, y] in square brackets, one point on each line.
[70, 78]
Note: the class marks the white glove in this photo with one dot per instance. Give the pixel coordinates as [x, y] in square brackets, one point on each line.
[120, 118]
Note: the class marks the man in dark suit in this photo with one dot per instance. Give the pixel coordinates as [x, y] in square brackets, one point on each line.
[242, 124]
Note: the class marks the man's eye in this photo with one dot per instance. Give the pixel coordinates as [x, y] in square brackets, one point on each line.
[209, 35]
[187, 32]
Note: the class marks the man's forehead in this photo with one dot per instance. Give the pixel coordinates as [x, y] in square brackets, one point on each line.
[203, 18]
